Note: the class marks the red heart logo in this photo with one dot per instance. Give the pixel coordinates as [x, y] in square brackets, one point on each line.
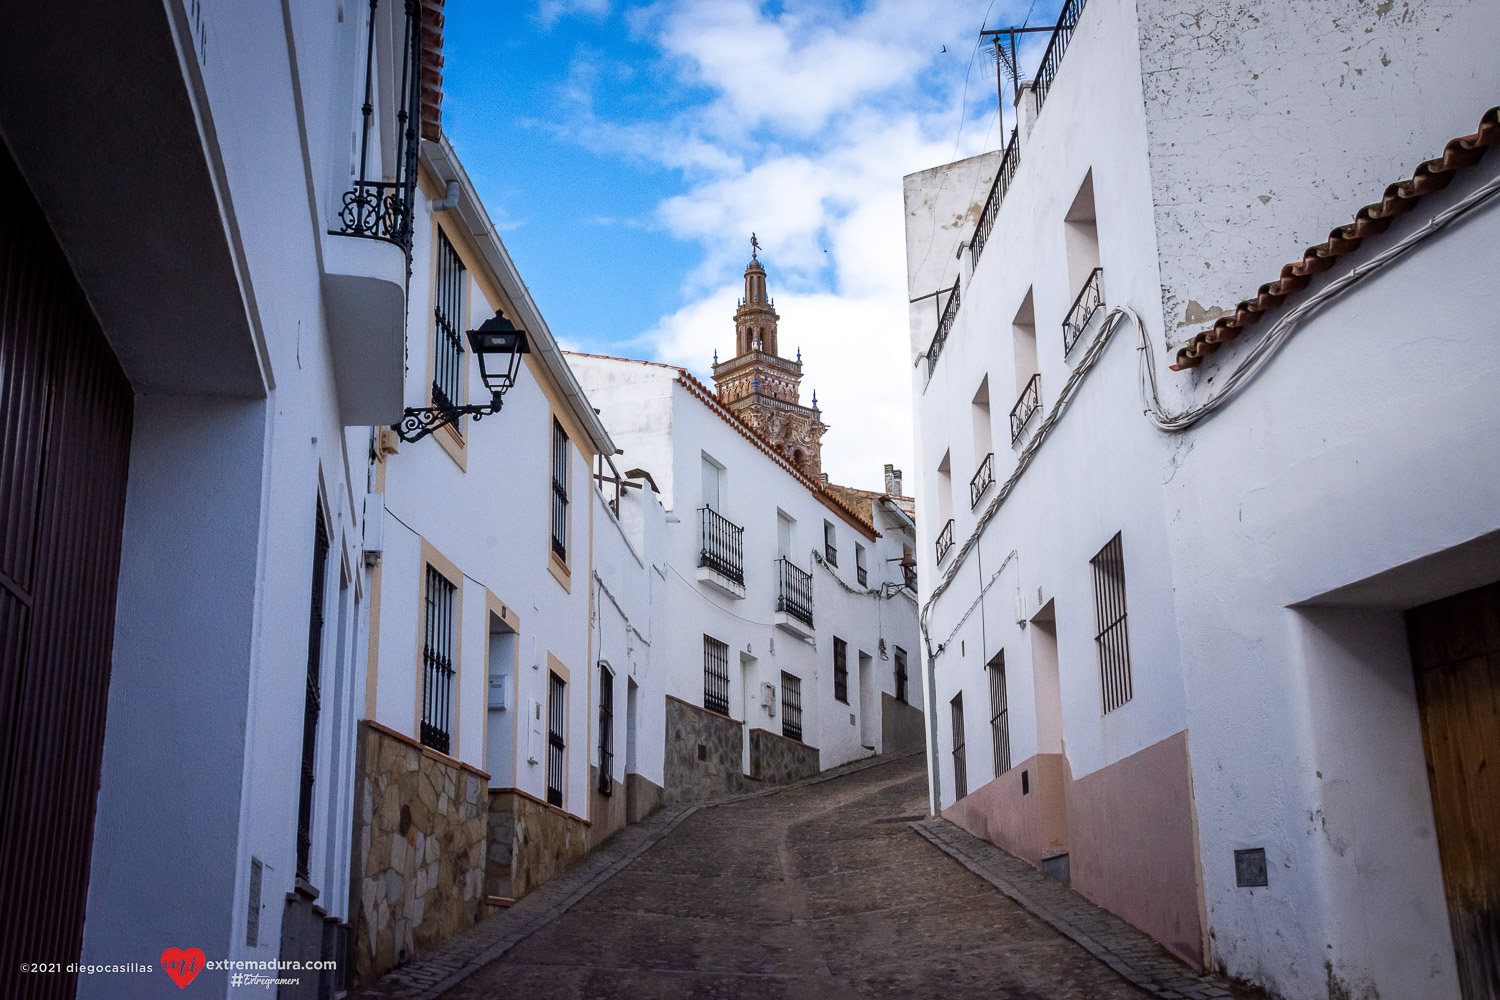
[183, 966]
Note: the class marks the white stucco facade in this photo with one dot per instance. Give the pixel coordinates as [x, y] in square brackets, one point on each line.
[1269, 550]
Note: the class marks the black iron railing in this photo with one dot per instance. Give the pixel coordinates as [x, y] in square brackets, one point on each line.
[557, 742]
[862, 575]
[1007, 172]
[1028, 404]
[1053, 57]
[909, 576]
[437, 662]
[945, 324]
[715, 675]
[723, 547]
[841, 670]
[901, 694]
[794, 593]
[791, 706]
[960, 761]
[313, 698]
[606, 730]
[1090, 300]
[379, 209]
[984, 477]
[945, 540]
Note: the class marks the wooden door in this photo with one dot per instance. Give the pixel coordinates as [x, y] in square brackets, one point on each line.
[1455, 646]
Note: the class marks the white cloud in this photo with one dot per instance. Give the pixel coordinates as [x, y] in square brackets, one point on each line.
[549, 12]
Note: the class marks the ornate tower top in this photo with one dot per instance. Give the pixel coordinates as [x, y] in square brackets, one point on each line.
[759, 385]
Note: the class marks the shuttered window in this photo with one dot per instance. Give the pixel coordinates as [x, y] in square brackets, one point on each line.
[1111, 636]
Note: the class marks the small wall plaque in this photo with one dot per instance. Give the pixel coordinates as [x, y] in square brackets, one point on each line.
[1250, 868]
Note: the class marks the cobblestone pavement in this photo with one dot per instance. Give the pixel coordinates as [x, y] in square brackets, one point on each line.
[823, 890]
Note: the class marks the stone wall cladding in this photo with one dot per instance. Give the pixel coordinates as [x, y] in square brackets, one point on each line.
[776, 760]
[533, 842]
[642, 797]
[720, 772]
[901, 726]
[421, 844]
[606, 812]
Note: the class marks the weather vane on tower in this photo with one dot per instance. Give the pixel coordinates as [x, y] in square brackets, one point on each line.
[754, 247]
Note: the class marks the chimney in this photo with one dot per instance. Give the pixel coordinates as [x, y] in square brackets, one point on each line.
[823, 478]
[892, 480]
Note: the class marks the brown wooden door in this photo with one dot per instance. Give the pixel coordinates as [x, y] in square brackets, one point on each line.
[1455, 646]
[65, 413]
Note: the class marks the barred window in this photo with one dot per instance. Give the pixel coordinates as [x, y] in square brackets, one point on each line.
[557, 744]
[448, 315]
[715, 675]
[901, 694]
[999, 715]
[791, 706]
[830, 543]
[437, 661]
[960, 768]
[559, 490]
[312, 699]
[606, 730]
[860, 572]
[841, 670]
[1111, 636]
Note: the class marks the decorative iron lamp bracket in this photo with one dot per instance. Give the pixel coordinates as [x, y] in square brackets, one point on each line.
[498, 343]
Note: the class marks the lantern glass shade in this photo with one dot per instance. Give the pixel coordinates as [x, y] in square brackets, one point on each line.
[498, 344]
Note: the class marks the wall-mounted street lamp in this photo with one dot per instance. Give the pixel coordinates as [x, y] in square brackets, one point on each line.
[498, 344]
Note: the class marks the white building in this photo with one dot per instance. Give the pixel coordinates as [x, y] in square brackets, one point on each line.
[209, 323]
[783, 625]
[1242, 774]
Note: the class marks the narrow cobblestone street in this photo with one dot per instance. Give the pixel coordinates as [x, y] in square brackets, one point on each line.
[822, 891]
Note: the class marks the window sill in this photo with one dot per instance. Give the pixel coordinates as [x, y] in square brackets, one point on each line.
[560, 571]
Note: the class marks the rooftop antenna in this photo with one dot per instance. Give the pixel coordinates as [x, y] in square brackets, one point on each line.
[1005, 62]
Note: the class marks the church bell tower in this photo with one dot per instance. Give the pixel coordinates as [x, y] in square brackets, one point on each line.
[763, 388]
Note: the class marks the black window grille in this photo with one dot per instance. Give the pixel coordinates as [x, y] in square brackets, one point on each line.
[945, 324]
[312, 700]
[795, 591]
[722, 548]
[861, 573]
[559, 490]
[1089, 301]
[606, 730]
[960, 769]
[715, 675]
[999, 716]
[944, 542]
[437, 661]
[791, 706]
[1109, 616]
[448, 321]
[841, 670]
[557, 743]
[984, 478]
[1026, 406]
[901, 692]
[830, 543]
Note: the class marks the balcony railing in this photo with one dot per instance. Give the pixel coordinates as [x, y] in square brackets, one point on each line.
[1003, 177]
[945, 540]
[862, 576]
[983, 479]
[1052, 58]
[1090, 299]
[1028, 404]
[945, 323]
[382, 210]
[794, 592]
[909, 576]
[723, 546]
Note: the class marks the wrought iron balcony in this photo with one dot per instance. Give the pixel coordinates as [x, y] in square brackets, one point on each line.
[1067, 20]
[945, 540]
[794, 591]
[1007, 172]
[909, 576]
[1090, 300]
[723, 545]
[1026, 406]
[984, 477]
[379, 210]
[862, 576]
[945, 323]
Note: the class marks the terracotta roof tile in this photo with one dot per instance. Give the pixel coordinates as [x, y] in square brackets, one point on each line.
[1372, 220]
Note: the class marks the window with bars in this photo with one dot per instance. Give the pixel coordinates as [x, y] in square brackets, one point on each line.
[559, 490]
[861, 574]
[791, 706]
[901, 693]
[841, 670]
[715, 675]
[999, 715]
[960, 769]
[312, 700]
[448, 323]
[1111, 636]
[557, 743]
[437, 661]
[830, 544]
[606, 730]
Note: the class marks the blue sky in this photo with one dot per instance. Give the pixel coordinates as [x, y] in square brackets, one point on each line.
[627, 151]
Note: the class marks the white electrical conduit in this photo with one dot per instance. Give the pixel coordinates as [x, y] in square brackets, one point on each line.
[1254, 361]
